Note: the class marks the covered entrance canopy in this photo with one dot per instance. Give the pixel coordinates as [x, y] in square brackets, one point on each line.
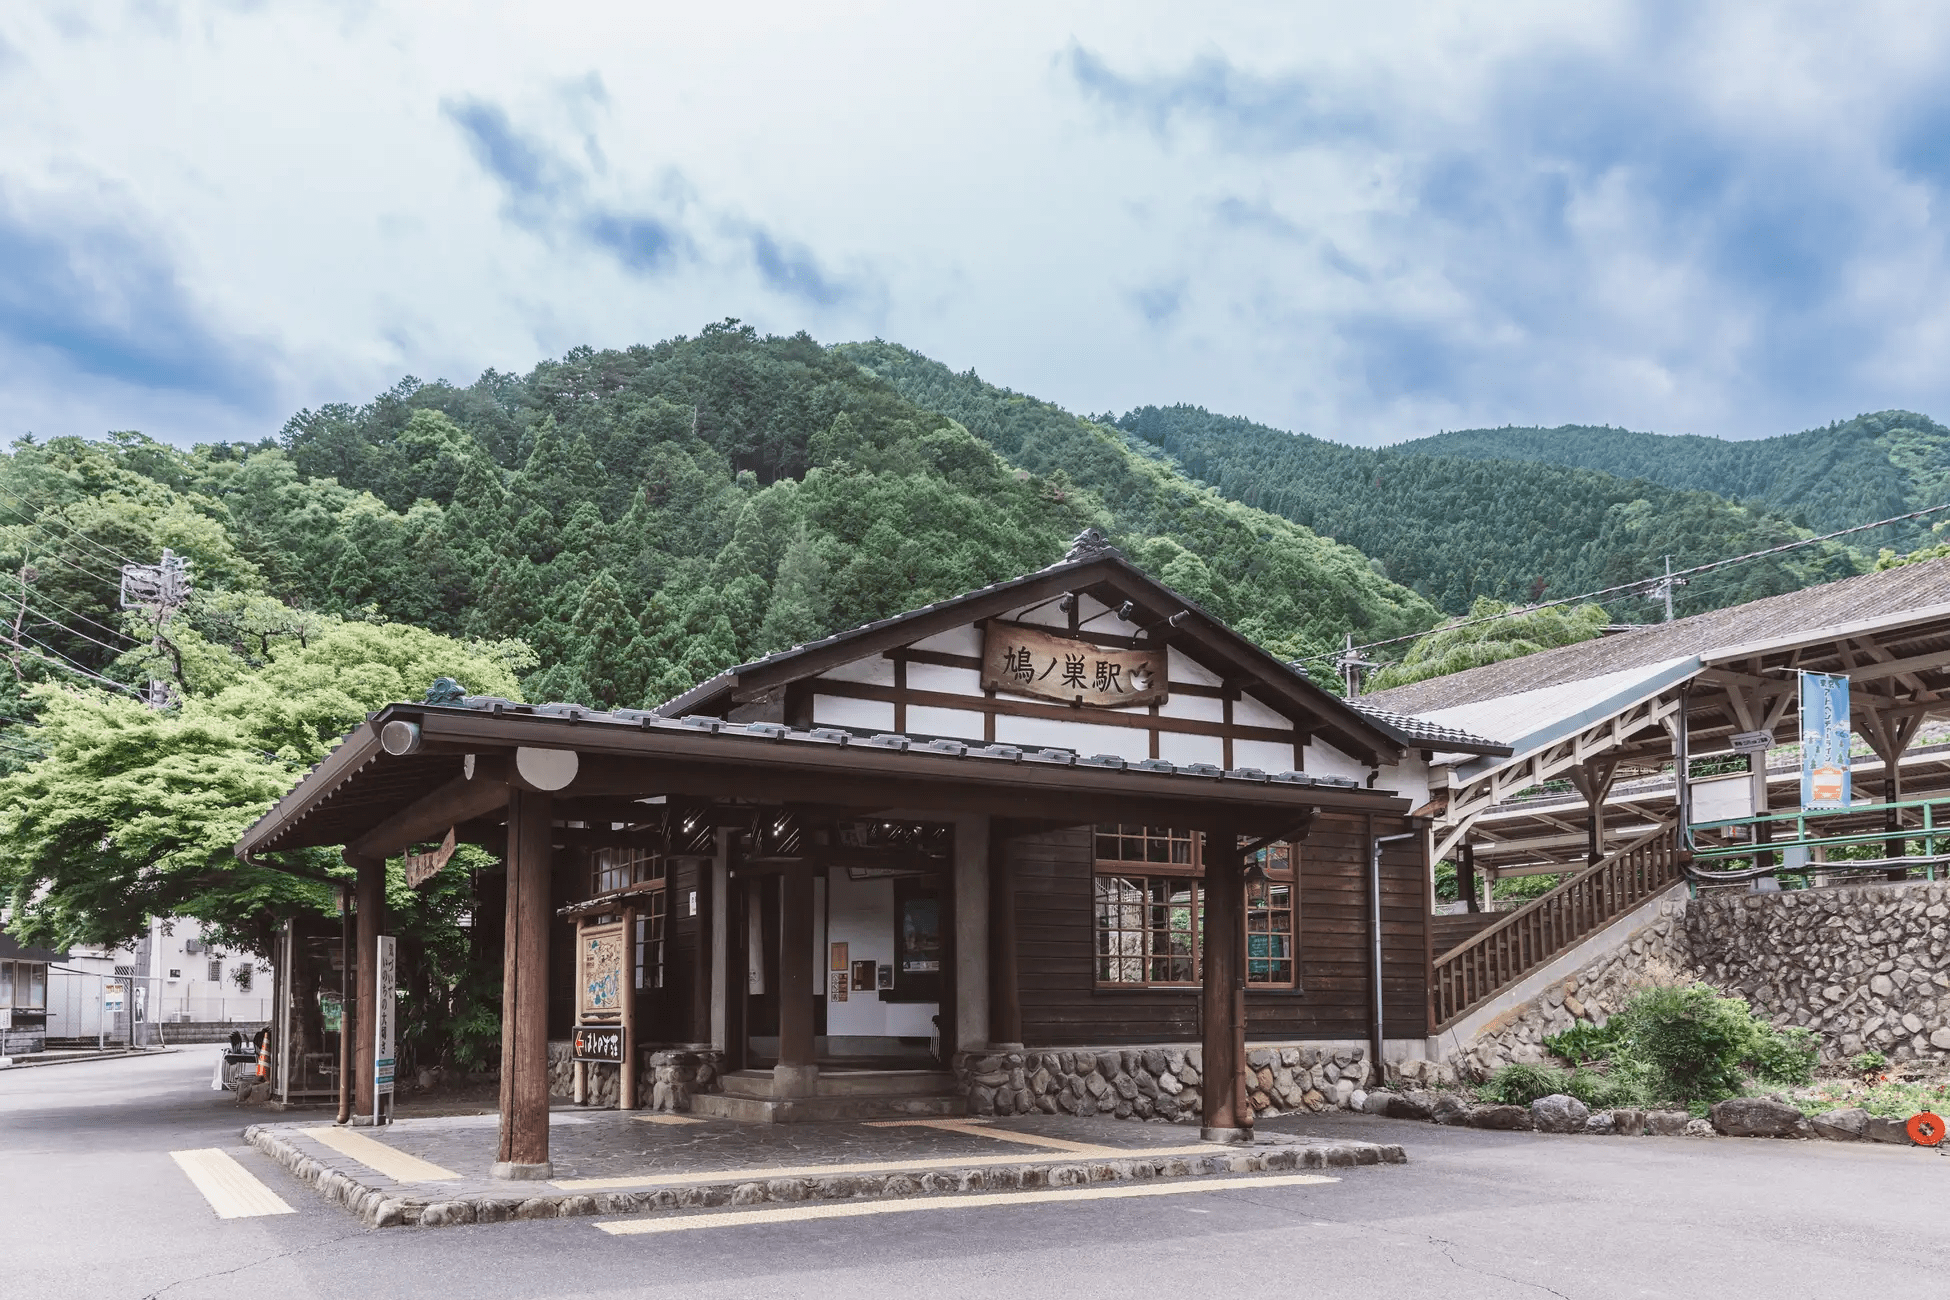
[534, 780]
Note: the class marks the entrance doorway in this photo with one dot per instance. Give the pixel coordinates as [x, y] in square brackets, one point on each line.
[879, 947]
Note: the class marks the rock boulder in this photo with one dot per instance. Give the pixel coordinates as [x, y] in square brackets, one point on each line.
[1559, 1113]
[1758, 1117]
[1851, 1125]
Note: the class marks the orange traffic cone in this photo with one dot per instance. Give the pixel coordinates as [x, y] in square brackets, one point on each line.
[264, 1057]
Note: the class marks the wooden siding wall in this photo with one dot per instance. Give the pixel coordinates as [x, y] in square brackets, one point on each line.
[1061, 1004]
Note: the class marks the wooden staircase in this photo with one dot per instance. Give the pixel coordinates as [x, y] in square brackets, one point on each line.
[1513, 944]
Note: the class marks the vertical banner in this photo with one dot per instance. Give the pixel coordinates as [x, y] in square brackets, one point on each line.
[1825, 740]
[382, 1022]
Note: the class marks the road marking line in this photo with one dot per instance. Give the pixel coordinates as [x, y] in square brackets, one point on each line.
[377, 1156]
[975, 1128]
[972, 1201]
[669, 1119]
[822, 1171]
[232, 1190]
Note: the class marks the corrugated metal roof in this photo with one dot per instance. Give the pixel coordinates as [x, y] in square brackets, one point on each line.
[1911, 588]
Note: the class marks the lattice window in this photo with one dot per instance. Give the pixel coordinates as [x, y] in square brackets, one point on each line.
[618, 868]
[651, 927]
[1149, 925]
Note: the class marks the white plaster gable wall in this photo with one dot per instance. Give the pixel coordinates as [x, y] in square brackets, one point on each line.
[1324, 760]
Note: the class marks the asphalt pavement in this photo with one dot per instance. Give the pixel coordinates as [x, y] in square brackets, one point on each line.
[94, 1204]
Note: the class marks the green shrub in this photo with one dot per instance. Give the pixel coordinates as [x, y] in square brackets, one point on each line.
[1622, 1086]
[1692, 1045]
[1785, 1056]
[1521, 1084]
[1584, 1042]
[1870, 1062]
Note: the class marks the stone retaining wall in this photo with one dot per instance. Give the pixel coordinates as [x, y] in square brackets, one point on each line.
[666, 1078]
[1863, 966]
[1160, 1082]
[1860, 966]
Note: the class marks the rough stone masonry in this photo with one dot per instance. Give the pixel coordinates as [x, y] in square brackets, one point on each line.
[1860, 966]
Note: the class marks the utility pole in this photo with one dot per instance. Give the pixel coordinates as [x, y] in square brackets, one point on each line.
[1661, 589]
[161, 589]
[1350, 665]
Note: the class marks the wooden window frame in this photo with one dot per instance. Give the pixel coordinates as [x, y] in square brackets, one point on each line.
[1280, 972]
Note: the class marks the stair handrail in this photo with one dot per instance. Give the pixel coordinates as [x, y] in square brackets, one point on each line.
[1656, 853]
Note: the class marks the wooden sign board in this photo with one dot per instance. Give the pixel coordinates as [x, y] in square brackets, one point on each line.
[600, 970]
[1021, 660]
[422, 867]
[599, 1043]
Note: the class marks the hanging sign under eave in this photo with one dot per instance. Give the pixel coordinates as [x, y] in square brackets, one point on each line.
[1019, 660]
[1825, 739]
[422, 867]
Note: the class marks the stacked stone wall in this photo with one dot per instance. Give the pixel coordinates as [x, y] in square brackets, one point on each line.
[1860, 966]
[666, 1078]
[1863, 966]
[1160, 1082]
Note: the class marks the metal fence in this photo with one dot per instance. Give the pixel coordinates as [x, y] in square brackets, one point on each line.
[75, 1007]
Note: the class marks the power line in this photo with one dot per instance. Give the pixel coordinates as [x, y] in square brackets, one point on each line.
[60, 660]
[44, 621]
[71, 610]
[108, 551]
[1638, 585]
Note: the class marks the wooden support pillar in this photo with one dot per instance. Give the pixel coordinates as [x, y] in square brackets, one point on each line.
[1892, 818]
[797, 1073]
[971, 937]
[1227, 1115]
[370, 889]
[1593, 779]
[523, 1150]
[1005, 991]
[348, 1022]
[626, 1072]
[1466, 877]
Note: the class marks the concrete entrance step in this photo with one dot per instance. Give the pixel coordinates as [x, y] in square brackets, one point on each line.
[813, 1110]
[849, 1083]
[841, 1095]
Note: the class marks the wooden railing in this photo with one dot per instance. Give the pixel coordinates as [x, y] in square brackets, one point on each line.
[1481, 967]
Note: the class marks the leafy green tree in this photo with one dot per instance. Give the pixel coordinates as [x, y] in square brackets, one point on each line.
[1492, 631]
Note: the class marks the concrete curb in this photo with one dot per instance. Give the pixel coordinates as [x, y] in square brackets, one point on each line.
[382, 1203]
[24, 1063]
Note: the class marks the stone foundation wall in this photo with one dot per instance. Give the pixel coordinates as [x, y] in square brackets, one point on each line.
[1160, 1082]
[1860, 966]
[666, 1078]
[1863, 966]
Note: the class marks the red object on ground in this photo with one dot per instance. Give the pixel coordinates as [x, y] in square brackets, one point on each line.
[1925, 1129]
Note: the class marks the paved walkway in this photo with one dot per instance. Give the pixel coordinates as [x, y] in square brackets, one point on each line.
[436, 1171]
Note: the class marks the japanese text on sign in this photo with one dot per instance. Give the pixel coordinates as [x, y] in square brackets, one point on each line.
[1027, 661]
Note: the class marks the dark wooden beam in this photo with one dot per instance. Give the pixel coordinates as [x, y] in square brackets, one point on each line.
[1227, 1114]
[460, 800]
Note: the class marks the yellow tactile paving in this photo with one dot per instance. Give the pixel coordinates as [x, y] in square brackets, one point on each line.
[668, 1119]
[979, 1129]
[376, 1155]
[970, 1201]
[825, 1171]
[232, 1190]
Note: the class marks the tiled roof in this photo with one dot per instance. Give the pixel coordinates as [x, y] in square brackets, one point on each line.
[1422, 733]
[1892, 592]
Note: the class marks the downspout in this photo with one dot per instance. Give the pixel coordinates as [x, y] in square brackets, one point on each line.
[1377, 1043]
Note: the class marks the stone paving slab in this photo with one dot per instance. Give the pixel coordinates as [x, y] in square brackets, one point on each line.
[610, 1162]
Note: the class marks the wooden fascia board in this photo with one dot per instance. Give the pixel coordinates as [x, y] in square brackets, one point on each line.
[360, 746]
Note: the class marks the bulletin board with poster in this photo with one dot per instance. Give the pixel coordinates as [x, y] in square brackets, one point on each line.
[919, 948]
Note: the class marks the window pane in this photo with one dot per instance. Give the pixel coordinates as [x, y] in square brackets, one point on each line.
[1120, 930]
[37, 990]
[6, 983]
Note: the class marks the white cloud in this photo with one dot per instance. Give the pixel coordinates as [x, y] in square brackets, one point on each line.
[1366, 224]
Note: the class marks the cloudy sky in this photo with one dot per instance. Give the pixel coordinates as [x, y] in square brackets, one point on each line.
[1369, 222]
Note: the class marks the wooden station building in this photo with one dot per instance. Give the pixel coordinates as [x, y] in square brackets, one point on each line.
[1070, 810]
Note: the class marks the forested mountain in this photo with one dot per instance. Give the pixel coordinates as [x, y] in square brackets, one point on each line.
[1459, 528]
[1871, 467]
[640, 518]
